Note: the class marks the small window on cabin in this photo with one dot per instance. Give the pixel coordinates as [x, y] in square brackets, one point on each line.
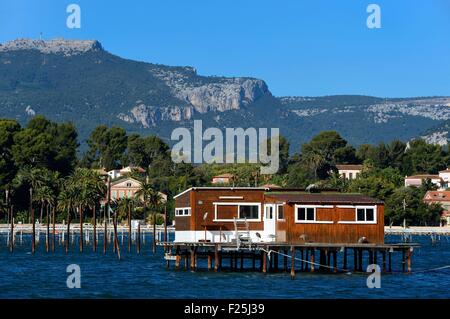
[249, 212]
[305, 214]
[186, 211]
[369, 215]
[360, 215]
[365, 214]
[280, 212]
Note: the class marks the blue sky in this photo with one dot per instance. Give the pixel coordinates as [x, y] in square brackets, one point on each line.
[299, 47]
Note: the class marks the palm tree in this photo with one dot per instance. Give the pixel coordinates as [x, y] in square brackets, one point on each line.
[152, 199]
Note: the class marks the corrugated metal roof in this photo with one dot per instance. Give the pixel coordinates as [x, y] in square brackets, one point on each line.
[331, 198]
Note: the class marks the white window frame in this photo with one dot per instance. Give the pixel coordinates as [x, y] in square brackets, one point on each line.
[182, 209]
[356, 221]
[238, 204]
[315, 221]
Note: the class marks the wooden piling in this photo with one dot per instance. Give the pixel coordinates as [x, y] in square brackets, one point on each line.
[390, 261]
[216, 258]
[360, 261]
[138, 239]
[11, 241]
[345, 259]
[177, 260]
[94, 217]
[285, 260]
[209, 260]
[54, 228]
[409, 257]
[403, 260]
[302, 263]
[355, 259]
[129, 228]
[47, 235]
[292, 262]
[383, 256]
[253, 260]
[242, 260]
[313, 259]
[335, 261]
[192, 266]
[264, 262]
[275, 260]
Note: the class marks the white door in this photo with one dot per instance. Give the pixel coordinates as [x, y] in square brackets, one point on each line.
[269, 222]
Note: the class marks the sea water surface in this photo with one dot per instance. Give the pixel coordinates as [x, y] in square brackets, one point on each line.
[43, 275]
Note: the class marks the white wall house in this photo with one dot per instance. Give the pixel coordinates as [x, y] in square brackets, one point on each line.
[349, 171]
[445, 176]
[417, 180]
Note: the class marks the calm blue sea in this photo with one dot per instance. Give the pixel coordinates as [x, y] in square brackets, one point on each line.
[44, 275]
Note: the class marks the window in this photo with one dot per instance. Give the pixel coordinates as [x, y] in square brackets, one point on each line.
[228, 211]
[306, 214]
[280, 212]
[128, 184]
[350, 175]
[182, 211]
[365, 214]
[121, 194]
[249, 212]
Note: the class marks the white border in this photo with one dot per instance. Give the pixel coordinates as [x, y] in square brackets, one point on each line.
[315, 221]
[183, 208]
[372, 222]
[237, 212]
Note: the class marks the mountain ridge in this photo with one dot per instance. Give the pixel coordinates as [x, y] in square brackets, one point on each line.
[79, 81]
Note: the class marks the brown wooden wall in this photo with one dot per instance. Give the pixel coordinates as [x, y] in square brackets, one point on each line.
[207, 198]
[333, 233]
[183, 222]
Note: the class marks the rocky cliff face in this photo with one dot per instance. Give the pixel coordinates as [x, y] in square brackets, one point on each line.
[56, 46]
[213, 94]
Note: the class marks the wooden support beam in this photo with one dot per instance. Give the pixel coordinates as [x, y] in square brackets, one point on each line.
[216, 258]
[302, 258]
[185, 257]
[285, 260]
[328, 253]
[313, 259]
[306, 259]
[355, 259]
[264, 262]
[292, 262]
[209, 261]
[360, 260]
[192, 265]
[275, 260]
[335, 261]
[383, 256]
[390, 261]
[403, 260]
[409, 257]
[345, 259]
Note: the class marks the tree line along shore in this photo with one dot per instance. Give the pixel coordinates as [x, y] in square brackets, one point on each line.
[43, 158]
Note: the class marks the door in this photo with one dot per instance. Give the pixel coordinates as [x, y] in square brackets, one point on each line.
[269, 222]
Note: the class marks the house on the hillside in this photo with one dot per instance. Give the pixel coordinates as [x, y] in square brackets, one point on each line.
[222, 179]
[349, 171]
[117, 173]
[127, 187]
[231, 214]
[417, 180]
[443, 198]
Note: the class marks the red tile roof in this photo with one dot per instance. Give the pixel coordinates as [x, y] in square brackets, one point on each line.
[354, 167]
